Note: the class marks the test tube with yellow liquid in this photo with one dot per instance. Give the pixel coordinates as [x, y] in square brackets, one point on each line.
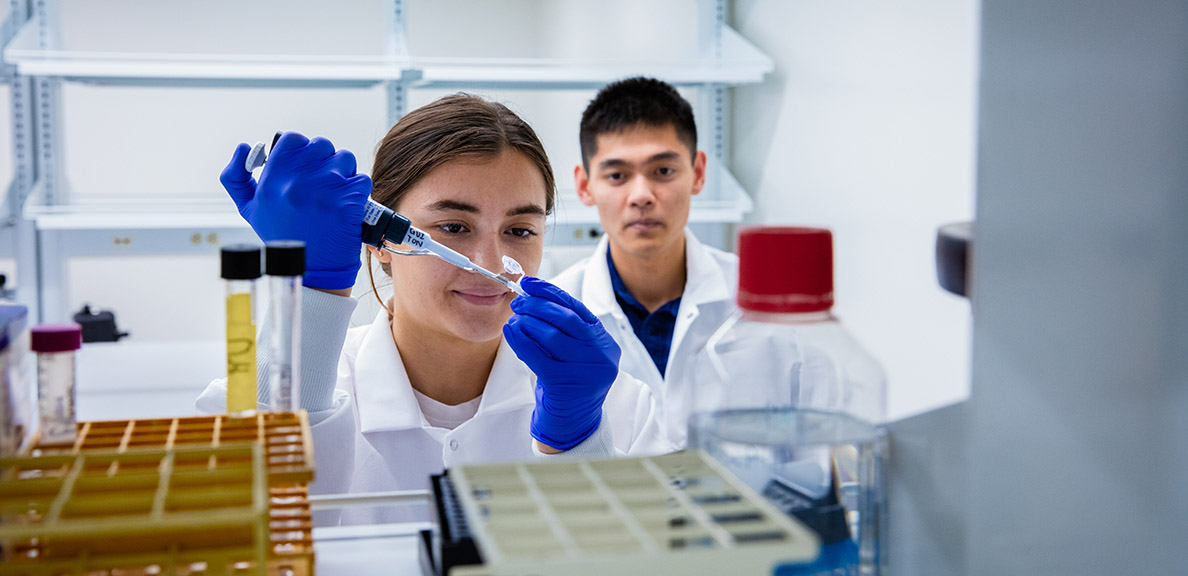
[241, 269]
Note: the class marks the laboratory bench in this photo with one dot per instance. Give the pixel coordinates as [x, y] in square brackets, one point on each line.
[381, 549]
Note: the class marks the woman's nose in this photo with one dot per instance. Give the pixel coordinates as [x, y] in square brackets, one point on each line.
[488, 254]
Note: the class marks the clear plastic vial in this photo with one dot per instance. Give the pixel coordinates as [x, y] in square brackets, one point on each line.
[284, 263]
[240, 265]
[55, 345]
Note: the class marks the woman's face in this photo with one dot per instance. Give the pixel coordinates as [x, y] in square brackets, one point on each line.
[483, 208]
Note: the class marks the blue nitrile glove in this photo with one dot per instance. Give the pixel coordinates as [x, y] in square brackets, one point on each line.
[574, 359]
[307, 192]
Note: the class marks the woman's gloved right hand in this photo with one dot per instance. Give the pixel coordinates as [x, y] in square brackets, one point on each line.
[309, 192]
[575, 361]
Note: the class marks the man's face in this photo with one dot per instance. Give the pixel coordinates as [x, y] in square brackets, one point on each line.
[642, 181]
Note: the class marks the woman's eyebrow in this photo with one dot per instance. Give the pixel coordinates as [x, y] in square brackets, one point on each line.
[443, 205]
[533, 209]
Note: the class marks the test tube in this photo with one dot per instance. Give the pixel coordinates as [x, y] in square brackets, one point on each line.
[284, 263]
[55, 345]
[240, 269]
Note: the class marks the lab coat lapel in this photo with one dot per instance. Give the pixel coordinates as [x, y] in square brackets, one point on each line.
[704, 284]
[383, 395]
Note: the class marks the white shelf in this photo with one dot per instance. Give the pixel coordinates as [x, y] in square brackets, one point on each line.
[81, 218]
[150, 68]
[740, 63]
[129, 212]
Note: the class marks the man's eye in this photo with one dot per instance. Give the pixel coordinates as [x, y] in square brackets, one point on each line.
[615, 176]
[452, 228]
[522, 232]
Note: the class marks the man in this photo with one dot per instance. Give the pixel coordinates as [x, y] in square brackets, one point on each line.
[658, 291]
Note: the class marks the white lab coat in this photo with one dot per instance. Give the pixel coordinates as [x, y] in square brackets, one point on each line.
[375, 437]
[708, 301]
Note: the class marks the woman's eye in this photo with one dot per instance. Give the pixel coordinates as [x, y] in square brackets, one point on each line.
[452, 228]
[522, 232]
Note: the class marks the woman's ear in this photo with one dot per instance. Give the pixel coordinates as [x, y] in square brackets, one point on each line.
[383, 256]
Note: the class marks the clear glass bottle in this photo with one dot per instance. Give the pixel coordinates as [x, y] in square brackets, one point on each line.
[55, 345]
[284, 263]
[784, 346]
[787, 399]
[240, 265]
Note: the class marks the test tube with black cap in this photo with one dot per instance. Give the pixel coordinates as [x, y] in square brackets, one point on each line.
[241, 265]
[284, 263]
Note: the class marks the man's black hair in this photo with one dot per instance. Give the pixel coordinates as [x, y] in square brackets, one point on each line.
[636, 101]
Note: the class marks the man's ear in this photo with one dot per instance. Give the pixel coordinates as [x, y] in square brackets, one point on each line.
[698, 172]
[581, 181]
[382, 255]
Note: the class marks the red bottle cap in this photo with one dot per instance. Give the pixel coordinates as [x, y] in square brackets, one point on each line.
[785, 269]
[56, 337]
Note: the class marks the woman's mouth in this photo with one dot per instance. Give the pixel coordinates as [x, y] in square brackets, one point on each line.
[482, 297]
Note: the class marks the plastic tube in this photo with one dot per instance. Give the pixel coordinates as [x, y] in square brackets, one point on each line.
[55, 345]
[284, 262]
[240, 269]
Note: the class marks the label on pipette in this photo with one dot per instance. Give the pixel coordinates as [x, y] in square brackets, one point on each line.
[415, 238]
[372, 212]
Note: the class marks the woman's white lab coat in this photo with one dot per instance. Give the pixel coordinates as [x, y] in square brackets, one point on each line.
[375, 437]
[708, 301]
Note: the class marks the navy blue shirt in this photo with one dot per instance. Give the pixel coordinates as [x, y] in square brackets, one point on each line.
[655, 329]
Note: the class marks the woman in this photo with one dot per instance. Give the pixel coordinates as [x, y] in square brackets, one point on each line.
[447, 374]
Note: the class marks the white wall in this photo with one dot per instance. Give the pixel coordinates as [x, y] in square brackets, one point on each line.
[867, 127]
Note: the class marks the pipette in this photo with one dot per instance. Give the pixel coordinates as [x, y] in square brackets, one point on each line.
[387, 229]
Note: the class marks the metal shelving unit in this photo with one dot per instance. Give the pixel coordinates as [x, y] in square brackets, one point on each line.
[55, 218]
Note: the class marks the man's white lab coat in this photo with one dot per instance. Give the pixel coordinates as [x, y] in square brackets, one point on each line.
[375, 437]
[708, 300]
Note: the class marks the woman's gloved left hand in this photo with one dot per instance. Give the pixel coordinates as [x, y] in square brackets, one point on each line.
[573, 357]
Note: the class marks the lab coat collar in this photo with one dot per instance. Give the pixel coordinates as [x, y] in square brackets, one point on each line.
[704, 280]
[384, 395]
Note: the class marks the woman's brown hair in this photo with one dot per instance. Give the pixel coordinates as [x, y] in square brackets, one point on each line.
[453, 127]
